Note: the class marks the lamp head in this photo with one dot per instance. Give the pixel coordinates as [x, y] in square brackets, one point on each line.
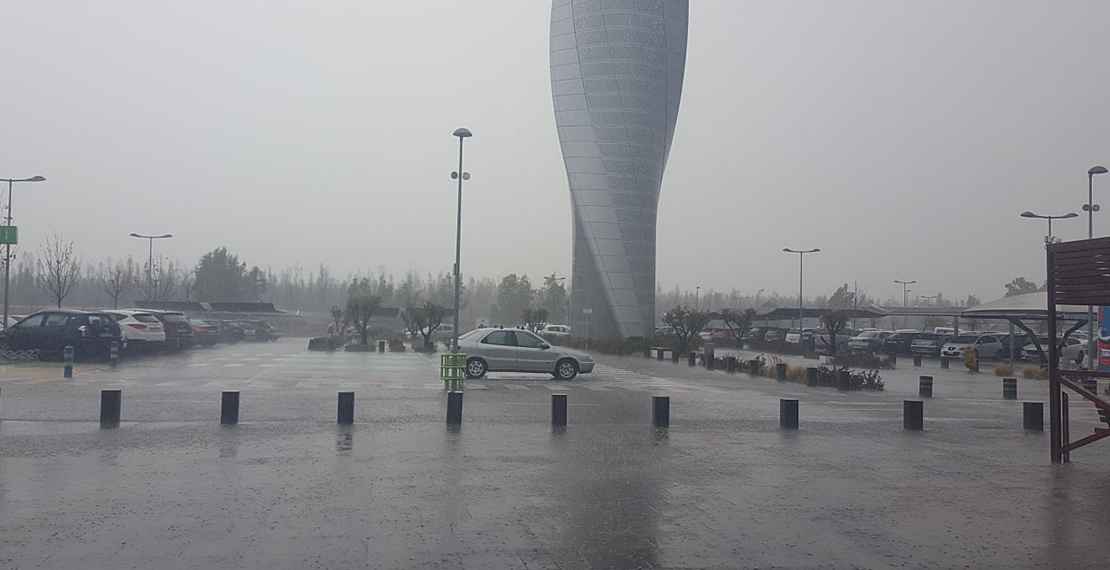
[133, 234]
[1069, 215]
[1028, 214]
[36, 179]
[464, 133]
[1097, 170]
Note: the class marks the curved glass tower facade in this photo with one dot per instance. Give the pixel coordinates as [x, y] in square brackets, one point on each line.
[616, 80]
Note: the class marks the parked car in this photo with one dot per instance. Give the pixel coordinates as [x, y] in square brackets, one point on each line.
[928, 344]
[664, 331]
[822, 344]
[141, 331]
[868, 342]
[231, 332]
[90, 333]
[1074, 351]
[721, 335]
[206, 333]
[1019, 341]
[986, 345]
[179, 333]
[774, 335]
[899, 342]
[261, 331]
[797, 336]
[556, 330]
[516, 350]
[11, 321]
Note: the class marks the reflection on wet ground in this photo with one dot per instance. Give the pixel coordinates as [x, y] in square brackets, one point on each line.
[722, 487]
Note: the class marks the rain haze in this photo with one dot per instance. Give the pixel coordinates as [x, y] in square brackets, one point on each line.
[901, 138]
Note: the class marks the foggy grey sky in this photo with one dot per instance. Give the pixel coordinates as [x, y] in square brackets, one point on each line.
[901, 137]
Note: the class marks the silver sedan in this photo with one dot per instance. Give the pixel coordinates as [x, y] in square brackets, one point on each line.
[516, 350]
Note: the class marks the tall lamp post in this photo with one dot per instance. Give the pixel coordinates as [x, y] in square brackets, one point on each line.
[1090, 207]
[697, 297]
[929, 298]
[459, 175]
[150, 259]
[1048, 238]
[801, 266]
[905, 291]
[8, 246]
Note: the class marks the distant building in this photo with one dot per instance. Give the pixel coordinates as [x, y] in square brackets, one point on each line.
[616, 79]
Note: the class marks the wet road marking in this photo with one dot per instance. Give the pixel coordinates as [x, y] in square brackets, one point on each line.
[232, 365]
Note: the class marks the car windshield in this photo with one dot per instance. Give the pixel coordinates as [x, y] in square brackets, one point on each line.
[964, 339]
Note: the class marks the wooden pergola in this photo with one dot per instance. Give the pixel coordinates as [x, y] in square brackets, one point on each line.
[1078, 274]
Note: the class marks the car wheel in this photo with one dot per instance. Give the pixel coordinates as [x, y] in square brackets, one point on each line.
[1000, 355]
[475, 368]
[566, 369]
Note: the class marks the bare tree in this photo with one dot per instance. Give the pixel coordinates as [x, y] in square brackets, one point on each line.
[119, 279]
[360, 309]
[687, 323]
[59, 269]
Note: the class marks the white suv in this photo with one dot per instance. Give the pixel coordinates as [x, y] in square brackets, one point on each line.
[140, 330]
[984, 345]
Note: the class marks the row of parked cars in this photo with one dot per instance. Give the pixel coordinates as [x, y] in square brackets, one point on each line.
[91, 333]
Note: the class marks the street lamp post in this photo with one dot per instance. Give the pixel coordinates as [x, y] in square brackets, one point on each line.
[905, 291]
[459, 175]
[697, 297]
[930, 298]
[1049, 237]
[801, 266]
[1091, 208]
[150, 260]
[8, 247]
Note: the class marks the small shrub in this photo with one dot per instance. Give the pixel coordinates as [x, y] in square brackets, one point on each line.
[1035, 373]
[867, 380]
[1004, 370]
[868, 361]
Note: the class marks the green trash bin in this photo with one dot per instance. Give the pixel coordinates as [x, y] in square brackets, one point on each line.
[452, 369]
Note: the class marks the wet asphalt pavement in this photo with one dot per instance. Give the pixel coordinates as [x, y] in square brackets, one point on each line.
[723, 487]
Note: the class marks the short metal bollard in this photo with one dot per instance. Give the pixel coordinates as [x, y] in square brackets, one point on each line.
[381, 346]
[1032, 416]
[731, 364]
[229, 408]
[346, 411]
[113, 354]
[788, 414]
[675, 356]
[944, 362]
[844, 381]
[925, 387]
[753, 367]
[660, 353]
[558, 409]
[1090, 385]
[661, 411]
[892, 359]
[811, 377]
[67, 356]
[692, 358]
[109, 407]
[913, 415]
[780, 371]
[917, 360]
[454, 408]
[1009, 388]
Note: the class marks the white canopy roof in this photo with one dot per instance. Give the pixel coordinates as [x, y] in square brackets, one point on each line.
[1028, 306]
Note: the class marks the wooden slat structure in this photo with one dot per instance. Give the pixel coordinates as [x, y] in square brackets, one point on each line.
[1078, 274]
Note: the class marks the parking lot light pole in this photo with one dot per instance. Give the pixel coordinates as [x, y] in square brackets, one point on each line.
[459, 175]
[801, 266]
[8, 247]
[905, 291]
[1049, 237]
[1091, 208]
[150, 259]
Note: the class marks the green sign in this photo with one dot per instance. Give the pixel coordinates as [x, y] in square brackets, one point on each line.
[9, 235]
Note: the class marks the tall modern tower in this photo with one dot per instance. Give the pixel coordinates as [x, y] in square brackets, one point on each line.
[616, 78]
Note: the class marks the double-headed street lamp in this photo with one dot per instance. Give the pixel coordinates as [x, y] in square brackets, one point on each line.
[801, 265]
[459, 175]
[1090, 207]
[150, 260]
[1048, 238]
[905, 291]
[8, 246]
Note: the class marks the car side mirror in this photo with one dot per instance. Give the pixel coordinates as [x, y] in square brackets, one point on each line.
[545, 346]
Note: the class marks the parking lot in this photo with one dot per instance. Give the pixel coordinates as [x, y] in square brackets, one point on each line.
[723, 487]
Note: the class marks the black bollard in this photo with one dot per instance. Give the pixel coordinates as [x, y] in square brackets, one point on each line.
[660, 354]
[753, 367]
[109, 407]
[381, 346]
[925, 387]
[661, 411]
[917, 360]
[454, 408]
[1009, 388]
[731, 364]
[944, 362]
[892, 359]
[1032, 414]
[67, 360]
[788, 414]
[647, 352]
[844, 381]
[558, 409]
[229, 409]
[674, 356]
[811, 377]
[346, 414]
[693, 358]
[780, 371]
[913, 415]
